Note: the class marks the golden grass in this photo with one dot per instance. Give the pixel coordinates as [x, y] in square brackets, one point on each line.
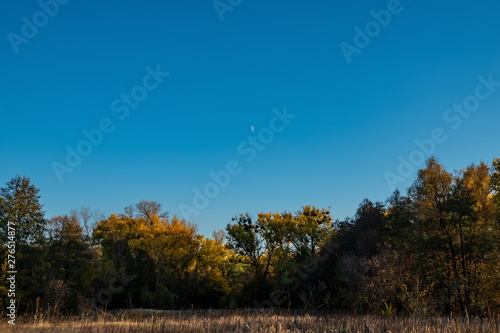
[139, 321]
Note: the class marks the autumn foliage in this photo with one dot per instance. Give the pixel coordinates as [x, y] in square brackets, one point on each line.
[432, 250]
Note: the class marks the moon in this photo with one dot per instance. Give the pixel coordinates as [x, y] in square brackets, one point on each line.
[252, 128]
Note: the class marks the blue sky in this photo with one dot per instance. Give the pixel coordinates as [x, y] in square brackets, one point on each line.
[353, 120]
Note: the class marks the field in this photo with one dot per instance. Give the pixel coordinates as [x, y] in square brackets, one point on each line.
[249, 321]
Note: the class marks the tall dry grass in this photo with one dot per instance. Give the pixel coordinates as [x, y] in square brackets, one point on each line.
[248, 321]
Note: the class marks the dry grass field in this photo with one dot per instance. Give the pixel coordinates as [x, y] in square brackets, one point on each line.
[249, 321]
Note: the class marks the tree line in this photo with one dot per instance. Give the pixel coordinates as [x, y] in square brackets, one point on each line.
[434, 249]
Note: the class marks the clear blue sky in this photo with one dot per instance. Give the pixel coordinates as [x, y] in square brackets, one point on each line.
[353, 120]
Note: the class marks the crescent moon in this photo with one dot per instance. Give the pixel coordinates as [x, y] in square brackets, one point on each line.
[253, 128]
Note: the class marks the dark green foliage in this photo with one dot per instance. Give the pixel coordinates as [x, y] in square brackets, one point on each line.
[434, 249]
[71, 264]
[19, 204]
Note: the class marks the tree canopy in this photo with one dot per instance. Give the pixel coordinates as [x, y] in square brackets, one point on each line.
[434, 249]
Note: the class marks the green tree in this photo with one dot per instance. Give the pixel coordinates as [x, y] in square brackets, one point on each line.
[308, 230]
[71, 264]
[20, 205]
[361, 240]
[121, 272]
[495, 183]
[20, 208]
[257, 241]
